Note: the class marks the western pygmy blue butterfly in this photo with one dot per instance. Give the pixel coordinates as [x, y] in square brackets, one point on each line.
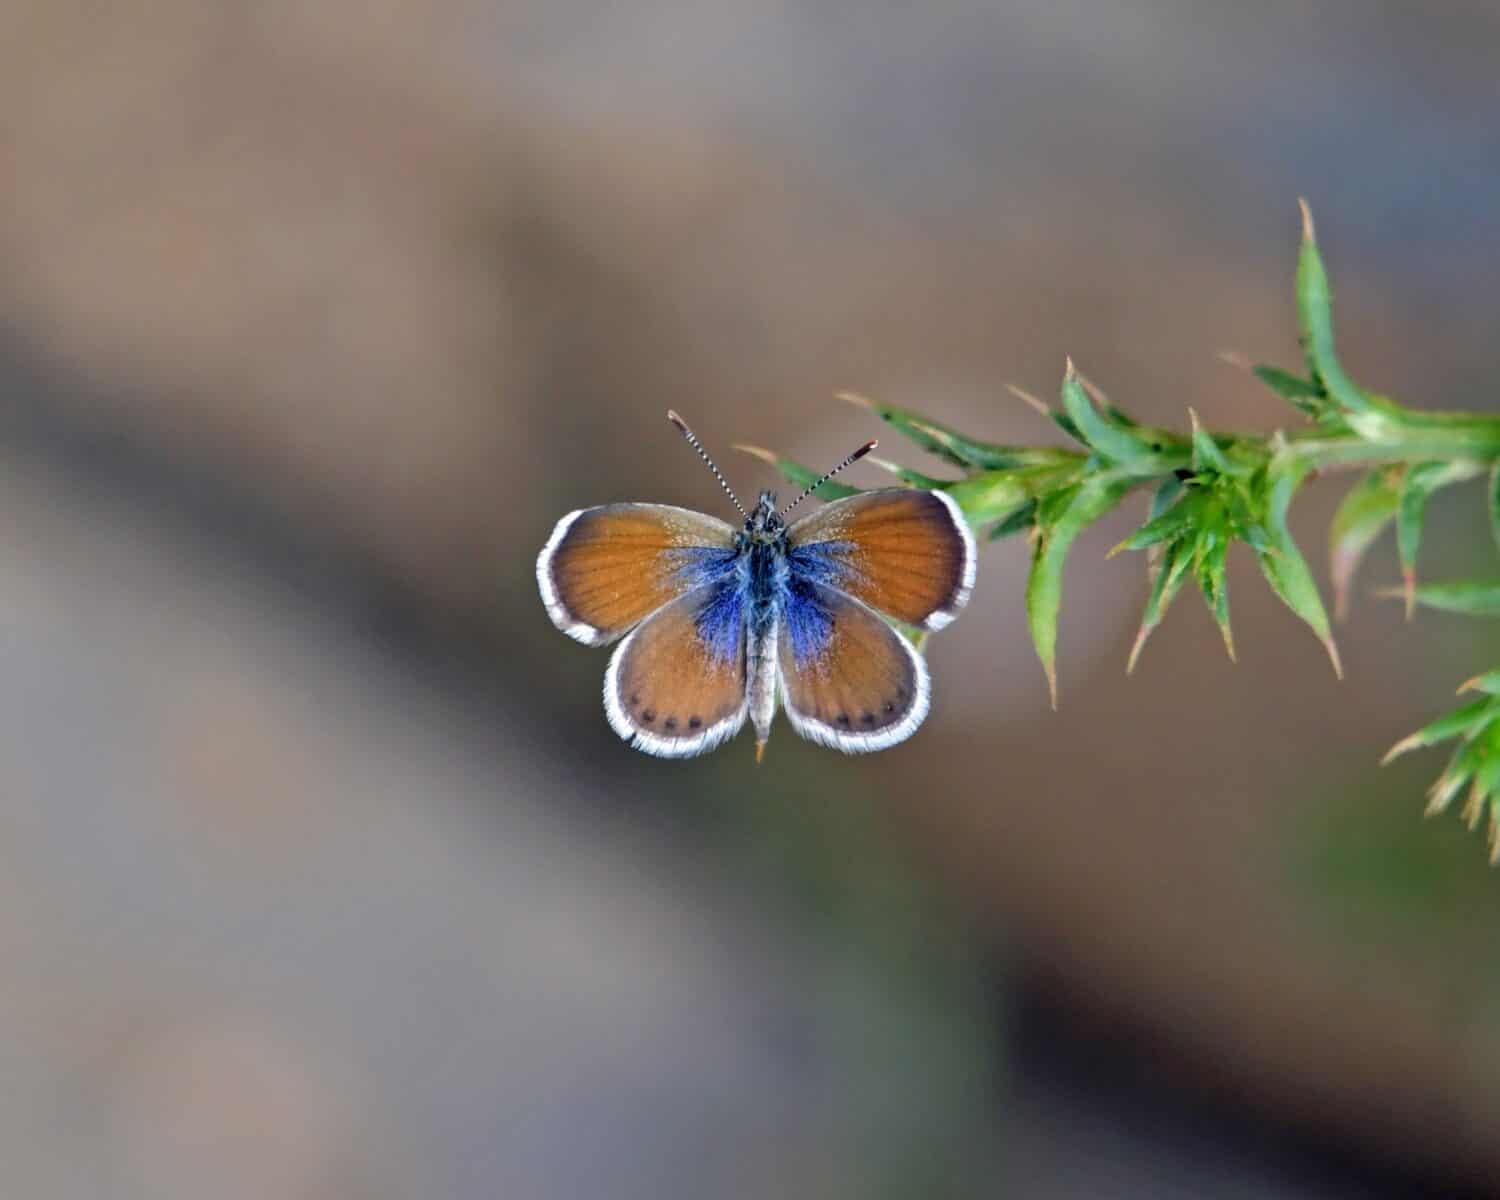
[723, 625]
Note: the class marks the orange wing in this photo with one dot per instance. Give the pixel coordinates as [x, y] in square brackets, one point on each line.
[904, 551]
[605, 569]
[676, 686]
[848, 680]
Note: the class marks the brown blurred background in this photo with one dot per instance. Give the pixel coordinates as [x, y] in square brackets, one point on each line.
[323, 875]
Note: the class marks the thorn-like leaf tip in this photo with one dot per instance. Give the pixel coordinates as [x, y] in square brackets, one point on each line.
[1307, 221]
[1095, 392]
[855, 398]
[1333, 656]
[1235, 359]
[1069, 371]
[759, 452]
[760, 752]
[1473, 807]
[1340, 599]
[886, 464]
[1410, 742]
[1409, 590]
[1135, 651]
[1439, 795]
[1051, 670]
[1028, 398]
[1229, 645]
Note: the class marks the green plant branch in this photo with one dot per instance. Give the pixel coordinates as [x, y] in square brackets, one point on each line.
[1210, 489]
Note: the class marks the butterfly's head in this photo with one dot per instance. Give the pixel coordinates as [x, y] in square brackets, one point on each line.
[763, 524]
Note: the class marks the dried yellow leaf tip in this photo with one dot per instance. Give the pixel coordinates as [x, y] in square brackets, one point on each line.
[886, 464]
[1441, 793]
[1410, 742]
[1027, 398]
[759, 452]
[1229, 643]
[1473, 806]
[854, 398]
[1333, 656]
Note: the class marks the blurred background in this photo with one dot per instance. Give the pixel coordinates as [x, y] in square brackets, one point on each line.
[323, 876]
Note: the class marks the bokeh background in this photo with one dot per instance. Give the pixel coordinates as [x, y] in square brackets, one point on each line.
[321, 875]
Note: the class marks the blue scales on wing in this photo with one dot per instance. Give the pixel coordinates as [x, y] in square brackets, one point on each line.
[905, 552]
[605, 569]
[848, 680]
[676, 686]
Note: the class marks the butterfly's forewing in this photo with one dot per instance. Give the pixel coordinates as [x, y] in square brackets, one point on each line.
[676, 686]
[848, 680]
[906, 552]
[605, 569]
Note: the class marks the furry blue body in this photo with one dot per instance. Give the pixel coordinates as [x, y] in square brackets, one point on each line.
[764, 579]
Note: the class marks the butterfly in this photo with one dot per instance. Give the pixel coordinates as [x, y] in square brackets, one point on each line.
[722, 625]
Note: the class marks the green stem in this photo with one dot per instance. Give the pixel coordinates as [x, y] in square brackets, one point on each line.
[1476, 440]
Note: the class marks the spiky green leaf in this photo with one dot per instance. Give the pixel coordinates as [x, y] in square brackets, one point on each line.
[1488, 682]
[993, 495]
[1367, 415]
[1303, 394]
[1367, 508]
[1458, 723]
[1207, 456]
[909, 477]
[1282, 563]
[1167, 576]
[1417, 486]
[948, 444]
[1061, 517]
[1492, 496]
[1111, 440]
[1166, 492]
[1020, 518]
[1165, 527]
[1472, 597]
[1210, 566]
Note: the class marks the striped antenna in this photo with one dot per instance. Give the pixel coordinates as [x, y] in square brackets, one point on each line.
[853, 458]
[703, 454]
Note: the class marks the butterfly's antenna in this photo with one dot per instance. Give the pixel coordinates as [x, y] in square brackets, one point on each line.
[703, 454]
[853, 458]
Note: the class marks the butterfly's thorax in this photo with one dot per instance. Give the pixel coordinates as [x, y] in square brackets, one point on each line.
[762, 562]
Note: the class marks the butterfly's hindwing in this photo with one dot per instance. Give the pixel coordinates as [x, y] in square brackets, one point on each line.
[605, 569]
[677, 685]
[848, 680]
[905, 552]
